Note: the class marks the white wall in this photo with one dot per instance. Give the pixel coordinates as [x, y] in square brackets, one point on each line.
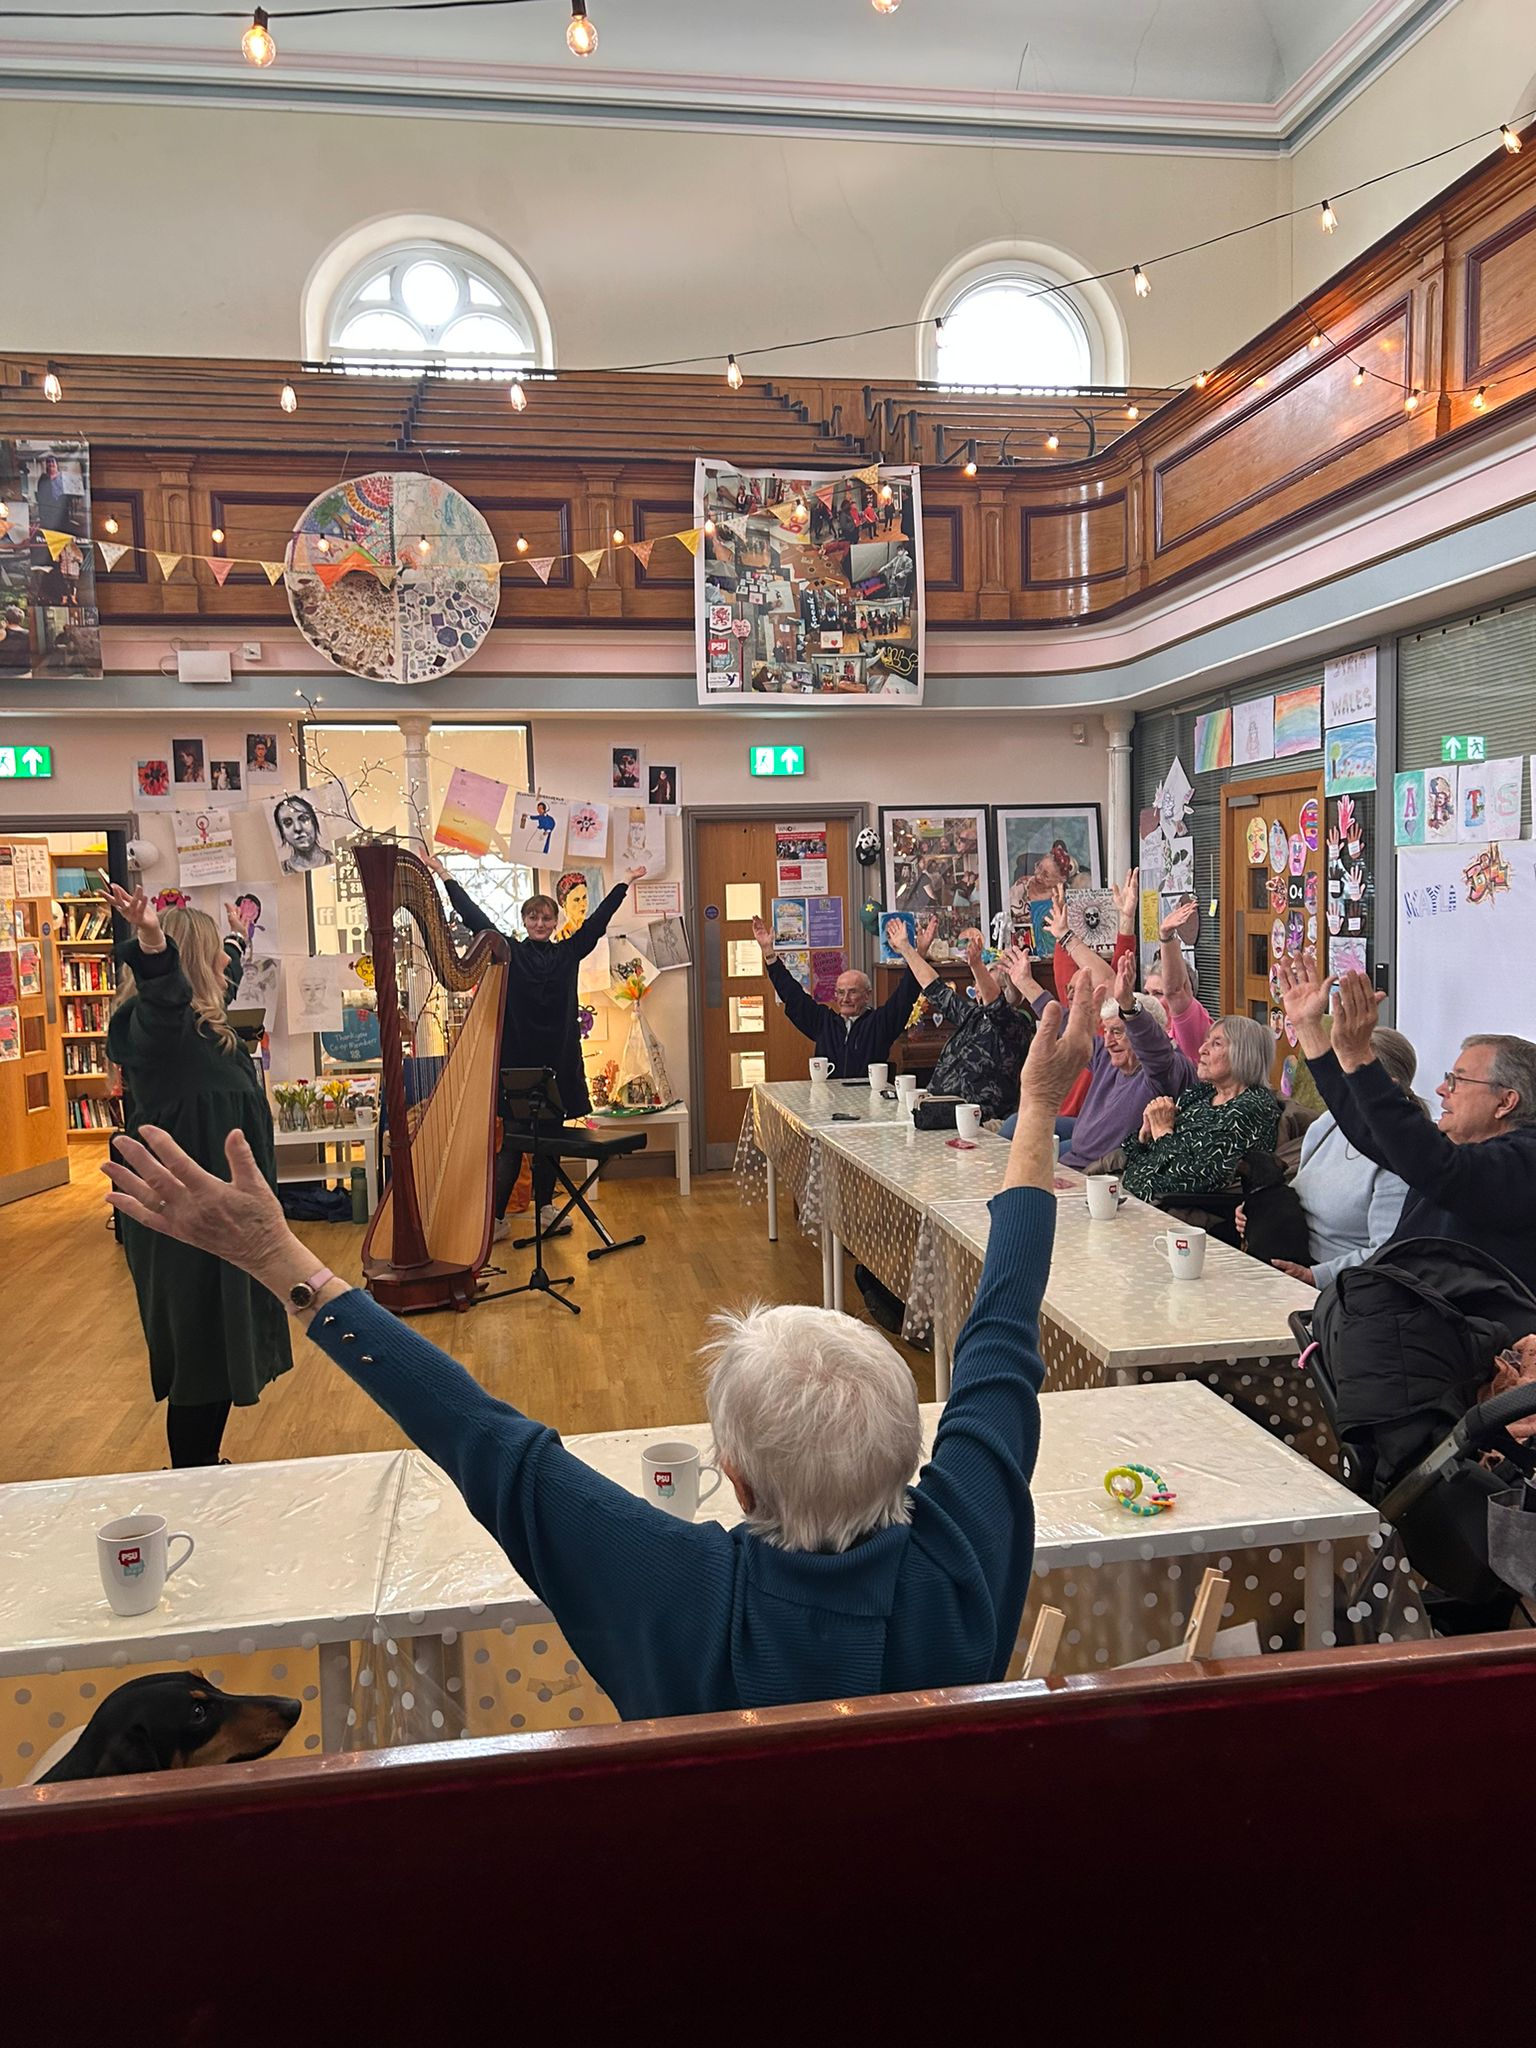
[879, 757]
[645, 244]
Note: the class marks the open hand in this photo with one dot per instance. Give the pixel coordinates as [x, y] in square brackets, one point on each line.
[1303, 992]
[1296, 1272]
[973, 952]
[927, 932]
[137, 910]
[1056, 917]
[1125, 980]
[239, 1220]
[896, 937]
[764, 937]
[430, 859]
[635, 874]
[235, 921]
[1185, 913]
[1158, 1121]
[1515, 1368]
[1355, 1020]
[1055, 1063]
[1128, 901]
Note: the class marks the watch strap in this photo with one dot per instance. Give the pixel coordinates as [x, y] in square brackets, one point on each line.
[300, 1298]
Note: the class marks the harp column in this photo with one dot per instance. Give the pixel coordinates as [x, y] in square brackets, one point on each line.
[418, 805]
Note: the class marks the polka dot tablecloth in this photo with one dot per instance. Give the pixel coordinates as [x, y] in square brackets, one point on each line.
[783, 1127]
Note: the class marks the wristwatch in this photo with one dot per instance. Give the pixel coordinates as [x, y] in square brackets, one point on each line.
[300, 1298]
[1134, 1010]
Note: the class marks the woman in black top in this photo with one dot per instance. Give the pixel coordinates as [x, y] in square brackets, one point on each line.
[538, 1027]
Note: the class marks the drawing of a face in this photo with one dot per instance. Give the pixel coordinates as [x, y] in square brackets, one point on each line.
[313, 990]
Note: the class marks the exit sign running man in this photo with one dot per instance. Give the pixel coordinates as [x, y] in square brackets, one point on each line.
[777, 760]
[25, 764]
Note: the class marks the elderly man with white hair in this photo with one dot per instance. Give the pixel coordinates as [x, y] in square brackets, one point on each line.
[852, 1029]
[846, 1576]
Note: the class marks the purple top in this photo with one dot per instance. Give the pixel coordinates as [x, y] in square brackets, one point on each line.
[1113, 1107]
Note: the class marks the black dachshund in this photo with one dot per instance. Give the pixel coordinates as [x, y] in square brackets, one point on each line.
[169, 1720]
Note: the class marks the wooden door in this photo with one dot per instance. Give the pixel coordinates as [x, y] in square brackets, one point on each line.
[744, 1035]
[34, 1153]
[1273, 878]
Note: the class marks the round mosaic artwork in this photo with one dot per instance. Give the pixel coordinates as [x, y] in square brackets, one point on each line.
[394, 577]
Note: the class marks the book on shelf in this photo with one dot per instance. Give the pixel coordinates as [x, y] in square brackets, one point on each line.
[86, 974]
[95, 1113]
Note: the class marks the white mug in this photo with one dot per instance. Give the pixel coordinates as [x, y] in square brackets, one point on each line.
[132, 1556]
[365, 1115]
[968, 1120]
[821, 1070]
[670, 1474]
[1103, 1196]
[1184, 1249]
[879, 1073]
[1055, 1151]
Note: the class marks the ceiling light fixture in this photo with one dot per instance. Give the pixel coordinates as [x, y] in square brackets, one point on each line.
[1141, 281]
[733, 373]
[1510, 139]
[580, 35]
[256, 45]
[517, 397]
[1328, 220]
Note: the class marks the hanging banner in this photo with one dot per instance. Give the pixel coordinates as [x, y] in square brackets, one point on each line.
[808, 585]
[49, 626]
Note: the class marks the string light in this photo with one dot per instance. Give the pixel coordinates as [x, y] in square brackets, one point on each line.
[1328, 220]
[1480, 403]
[1358, 378]
[970, 459]
[1142, 282]
[709, 527]
[110, 525]
[1053, 442]
[1316, 341]
[522, 545]
[580, 35]
[885, 494]
[1133, 412]
[618, 536]
[256, 45]
[1261, 382]
[1510, 139]
[53, 390]
[885, 6]
[216, 535]
[1411, 402]
[733, 373]
[517, 398]
[423, 547]
[1202, 380]
[323, 544]
[288, 398]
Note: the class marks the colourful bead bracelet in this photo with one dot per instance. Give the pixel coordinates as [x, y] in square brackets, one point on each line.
[1124, 1487]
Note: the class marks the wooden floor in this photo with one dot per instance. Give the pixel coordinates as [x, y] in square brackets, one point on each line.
[76, 1393]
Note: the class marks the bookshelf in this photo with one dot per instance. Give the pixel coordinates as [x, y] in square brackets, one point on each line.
[87, 979]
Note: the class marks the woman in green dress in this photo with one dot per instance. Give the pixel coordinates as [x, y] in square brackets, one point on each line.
[214, 1337]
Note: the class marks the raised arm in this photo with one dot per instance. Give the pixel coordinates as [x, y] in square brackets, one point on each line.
[1165, 1066]
[163, 1012]
[891, 1015]
[586, 936]
[1177, 992]
[465, 904]
[917, 964]
[988, 988]
[802, 1010]
[1304, 994]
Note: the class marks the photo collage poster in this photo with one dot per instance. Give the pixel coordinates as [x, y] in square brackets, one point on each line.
[49, 625]
[809, 585]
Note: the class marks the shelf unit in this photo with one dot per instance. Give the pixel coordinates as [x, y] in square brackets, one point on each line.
[88, 1091]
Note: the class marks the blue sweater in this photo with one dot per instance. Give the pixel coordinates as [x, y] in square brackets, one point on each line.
[674, 1617]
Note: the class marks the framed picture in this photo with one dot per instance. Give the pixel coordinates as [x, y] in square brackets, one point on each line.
[935, 864]
[1037, 847]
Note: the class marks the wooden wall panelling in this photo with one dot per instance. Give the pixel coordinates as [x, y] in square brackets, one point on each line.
[944, 566]
[669, 573]
[1073, 545]
[110, 500]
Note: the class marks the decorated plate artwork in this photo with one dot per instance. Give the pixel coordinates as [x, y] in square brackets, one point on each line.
[371, 601]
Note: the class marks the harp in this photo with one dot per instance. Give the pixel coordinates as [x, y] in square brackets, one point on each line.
[430, 1233]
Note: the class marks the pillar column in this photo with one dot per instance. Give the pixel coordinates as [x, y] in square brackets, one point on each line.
[414, 728]
[1119, 817]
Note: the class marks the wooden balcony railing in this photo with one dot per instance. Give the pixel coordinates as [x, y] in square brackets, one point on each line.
[1310, 415]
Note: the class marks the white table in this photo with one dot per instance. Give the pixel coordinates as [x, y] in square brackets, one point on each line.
[674, 1119]
[301, 1155]
[781, 1129]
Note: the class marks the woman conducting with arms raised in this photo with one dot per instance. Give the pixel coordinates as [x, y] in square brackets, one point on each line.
[215, 1338]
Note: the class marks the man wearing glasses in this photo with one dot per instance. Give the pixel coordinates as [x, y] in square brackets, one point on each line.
[1472, 1177]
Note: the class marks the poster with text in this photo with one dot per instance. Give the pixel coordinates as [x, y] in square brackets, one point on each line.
[49, 626]
[205, 846]
[1349, 689]
[800, 859]
[809, 584]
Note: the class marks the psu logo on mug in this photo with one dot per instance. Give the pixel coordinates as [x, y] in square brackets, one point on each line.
[131, 1562]
[1181, 1244]
[664, 1483]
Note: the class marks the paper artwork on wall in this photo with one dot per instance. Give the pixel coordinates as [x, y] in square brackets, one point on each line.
[152, 787]
[1408, 808]
[300, 830]
[1253, 731]
[1346, 956]
[1349, 760]
[661, 785]
[627, 776]
[1298, 720]
[586, 831]
[1257, 838]
[537, 833]
[10, 1034]
[263, 770]
[1093, 918]
[639, 838]
[1488, 798]
[189, 766]
[260, 981]
[1172, 799]
[205, 846]
[471, 812]
[50, 629]
[935, 865]
[226, 779]
[668, 942]
[1349, 689]
[658, 899]
[314, 993]
[1213, 741]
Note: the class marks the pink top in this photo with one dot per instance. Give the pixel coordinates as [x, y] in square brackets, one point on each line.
[1188, 1032]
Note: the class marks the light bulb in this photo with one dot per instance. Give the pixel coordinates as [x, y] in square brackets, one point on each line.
[256, 45]
[323, 545]
[709, 527]
[423, 547]
[1510, 139]
[885, 494]
[885, 6]
[1133, 412]
[1053, 442]
[216, 535]
[1202, 380]
[618, 536]
[1411, 402]
[1328, 220]
[733, 373]
[1141, 281]
[522, 545]
[1358, 378]
[970, 467]
[580, 35]
[517, 398]
[1480, 403]
[288, 399]
[1260, 383]
[111, 525]
[800, 511]
[1316, 341]
[53, 390]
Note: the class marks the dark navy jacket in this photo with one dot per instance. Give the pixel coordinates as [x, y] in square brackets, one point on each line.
[850, 1047]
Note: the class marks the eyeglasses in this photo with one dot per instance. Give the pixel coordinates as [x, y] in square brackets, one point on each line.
[1453, 1081]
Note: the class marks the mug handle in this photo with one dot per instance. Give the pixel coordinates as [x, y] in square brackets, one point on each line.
[1160, 1242]
[178, 1536]
[719, 1475]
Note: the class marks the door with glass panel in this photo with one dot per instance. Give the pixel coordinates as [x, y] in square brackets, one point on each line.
[1273, 864]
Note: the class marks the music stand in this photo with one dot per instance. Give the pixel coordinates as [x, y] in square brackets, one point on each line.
[533, 1114]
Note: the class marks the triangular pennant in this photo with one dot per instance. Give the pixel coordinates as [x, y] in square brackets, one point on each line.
[219, 567]
[167, 563]
[592, 560]
[691, 538]
[541, 565]
[331, 573]
[870, 476]
[272, 570]
[112, 552]
[641, 550]
[492, 569]
[824, 493]
[57, 542]
[784, 511]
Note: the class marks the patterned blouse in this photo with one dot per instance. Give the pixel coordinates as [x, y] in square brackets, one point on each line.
[1199, 1155]
[981, 1059]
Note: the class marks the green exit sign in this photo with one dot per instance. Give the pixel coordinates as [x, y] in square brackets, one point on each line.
[1463, 746]
[25, 764]
[777, 760]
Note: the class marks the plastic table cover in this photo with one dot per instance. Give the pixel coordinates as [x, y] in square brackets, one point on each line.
[780, 1129]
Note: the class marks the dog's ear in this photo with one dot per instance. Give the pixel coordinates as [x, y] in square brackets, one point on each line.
[131, 1749]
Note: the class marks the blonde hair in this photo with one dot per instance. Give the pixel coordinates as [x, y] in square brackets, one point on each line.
[203, 961]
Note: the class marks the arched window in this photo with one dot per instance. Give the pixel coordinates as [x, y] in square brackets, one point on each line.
[1011, 315]
[425, 302]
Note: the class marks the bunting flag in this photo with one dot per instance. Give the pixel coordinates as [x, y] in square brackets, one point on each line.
[641, 550]
[541, 565]
[489, 568]
[691, 538]
[784, 511]
[220, 566]
[870, 476]
[57, 542]
[272, 570]
[824, 493]
[592, 560]
[167, 563]
[331, 573]
[112, 552]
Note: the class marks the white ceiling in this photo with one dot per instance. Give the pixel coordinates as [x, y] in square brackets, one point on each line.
[1256, 69]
